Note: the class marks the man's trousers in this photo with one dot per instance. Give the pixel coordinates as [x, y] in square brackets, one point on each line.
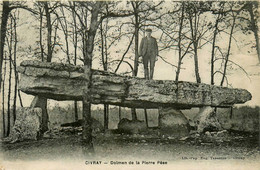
[149, 59]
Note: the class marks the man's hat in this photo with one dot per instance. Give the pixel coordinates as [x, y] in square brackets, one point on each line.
[148, 30]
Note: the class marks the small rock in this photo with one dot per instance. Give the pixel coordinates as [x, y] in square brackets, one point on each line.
[171, 137]
[197, 135]
[135, 135]
[221, 133]
[183, 138]
[46, 135]
[219, 140]
[208, 134]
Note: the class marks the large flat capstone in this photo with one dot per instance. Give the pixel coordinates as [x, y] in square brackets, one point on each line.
[66, 82]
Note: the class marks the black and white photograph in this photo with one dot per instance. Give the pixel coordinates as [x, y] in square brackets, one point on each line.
[129, 84]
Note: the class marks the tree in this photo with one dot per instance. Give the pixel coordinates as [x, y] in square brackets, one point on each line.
[179, 44]
[216, 31]
[234, 16]
[252, 9]
[104, 57]
[89, 40]
[10, 51]
[5, 13]
[249, 23]
[193, 15]
[75, 44]
[135, 6]
[3, 100]
[14, 65]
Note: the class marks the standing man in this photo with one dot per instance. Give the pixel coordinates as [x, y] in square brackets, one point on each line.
[149, 51]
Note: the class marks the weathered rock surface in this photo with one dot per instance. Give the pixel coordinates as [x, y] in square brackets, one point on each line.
[27, 125]
[65, 82]
[206, 120]
[41, 102]
[219, 136]
[131, 126]
[172, 122]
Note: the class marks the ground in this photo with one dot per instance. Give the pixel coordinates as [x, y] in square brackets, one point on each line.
[150, 150]
[61, 148]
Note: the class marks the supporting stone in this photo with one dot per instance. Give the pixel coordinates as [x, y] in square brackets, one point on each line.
[172, 122]
[27, 125]
[206, 120]
[41, 102]
[131, 126]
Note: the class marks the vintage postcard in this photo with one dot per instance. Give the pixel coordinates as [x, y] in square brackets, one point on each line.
[129, 84]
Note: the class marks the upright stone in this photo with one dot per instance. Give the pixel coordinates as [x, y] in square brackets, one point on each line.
[131, 126]
[41, 102]
[27, 125]
[206, 120]
[172, 122]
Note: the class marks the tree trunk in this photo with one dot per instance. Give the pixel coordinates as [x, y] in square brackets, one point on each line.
[213, 50]
[196, 62]
[9, 98]
[146, 117]
[136, 35]
[136, 44]
[64, 27]
[119, 113]
[15, 71]
[179, 45]
[104, 62]
[19, 95]
[228, 51]
[254, 27]
[75, 44]
[10, 50]
[49, 32]
[87, 129]
[5, 13]
[40, 29]
[3, 101]
[106, 116]
[195, 45]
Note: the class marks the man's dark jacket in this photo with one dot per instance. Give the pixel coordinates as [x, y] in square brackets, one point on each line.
[144, 47]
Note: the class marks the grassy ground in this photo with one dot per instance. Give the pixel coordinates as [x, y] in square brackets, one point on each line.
[120, 147]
